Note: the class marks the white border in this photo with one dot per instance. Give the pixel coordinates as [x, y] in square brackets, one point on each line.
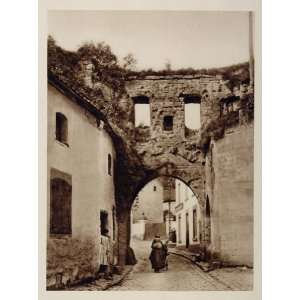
[142, 5]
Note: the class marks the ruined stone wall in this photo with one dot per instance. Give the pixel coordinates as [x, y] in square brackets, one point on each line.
[167, 95]
[174, 153]
[229, 187]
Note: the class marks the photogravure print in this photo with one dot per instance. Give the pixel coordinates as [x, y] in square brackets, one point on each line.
[150, 151]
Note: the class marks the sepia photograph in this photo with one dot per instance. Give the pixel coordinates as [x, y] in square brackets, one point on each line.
[150, 150]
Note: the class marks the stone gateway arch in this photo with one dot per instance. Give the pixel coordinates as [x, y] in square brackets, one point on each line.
[176, 151]
[167, 147]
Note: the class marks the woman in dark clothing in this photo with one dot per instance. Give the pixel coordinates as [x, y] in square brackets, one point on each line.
[158, 254]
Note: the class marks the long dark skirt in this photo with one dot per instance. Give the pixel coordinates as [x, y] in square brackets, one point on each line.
[157, 258]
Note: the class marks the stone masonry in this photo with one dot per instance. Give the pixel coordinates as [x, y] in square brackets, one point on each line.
[143, 154]
[173, 153]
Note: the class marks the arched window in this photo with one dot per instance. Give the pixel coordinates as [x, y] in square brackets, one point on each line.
[61, 128]
[109, 164]
[60, 211]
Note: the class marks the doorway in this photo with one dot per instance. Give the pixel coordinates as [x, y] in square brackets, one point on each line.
[207, 222]
[187, 234]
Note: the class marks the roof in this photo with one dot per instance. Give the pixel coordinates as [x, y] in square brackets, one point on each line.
[81, 100]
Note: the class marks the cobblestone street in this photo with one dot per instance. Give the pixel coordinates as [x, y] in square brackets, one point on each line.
[182, 275]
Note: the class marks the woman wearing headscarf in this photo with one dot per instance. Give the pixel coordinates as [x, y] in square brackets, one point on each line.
[158, 255]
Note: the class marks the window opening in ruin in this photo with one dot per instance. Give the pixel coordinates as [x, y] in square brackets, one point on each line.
[191, 110]
[192, 115]
[154, 188]
[103, 222]
[61, 131]
[109, 164]
[60, 203]
[168, 123]
[141, 111]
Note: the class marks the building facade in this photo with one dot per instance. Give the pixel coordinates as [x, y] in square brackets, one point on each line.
[81, 200]
[150, 211]
[188, 218]
[149, 203]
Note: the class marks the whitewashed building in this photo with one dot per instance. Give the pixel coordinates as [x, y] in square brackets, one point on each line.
[187, 213]
[81, 201]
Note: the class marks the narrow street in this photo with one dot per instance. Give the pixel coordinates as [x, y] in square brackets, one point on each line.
[182, 275]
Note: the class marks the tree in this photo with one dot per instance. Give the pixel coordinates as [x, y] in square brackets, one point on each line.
[99, 54]
[129, 62]
[105, 64]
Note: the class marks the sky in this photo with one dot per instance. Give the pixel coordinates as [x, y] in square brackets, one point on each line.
[185, 39]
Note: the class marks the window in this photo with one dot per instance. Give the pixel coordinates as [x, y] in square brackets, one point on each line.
[141, 111]
[194, 223]
[103, 222]
[192, 115]
[109, 164]
[60, 207]
[191, 110]
[61, 128]
[168, 123]
[187, 232]
[154, 188]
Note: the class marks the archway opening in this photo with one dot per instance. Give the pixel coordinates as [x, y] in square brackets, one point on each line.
[166, 206]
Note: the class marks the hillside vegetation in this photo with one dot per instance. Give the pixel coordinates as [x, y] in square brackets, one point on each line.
[110, 70]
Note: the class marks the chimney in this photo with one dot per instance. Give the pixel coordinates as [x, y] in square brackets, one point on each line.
[87, 70]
